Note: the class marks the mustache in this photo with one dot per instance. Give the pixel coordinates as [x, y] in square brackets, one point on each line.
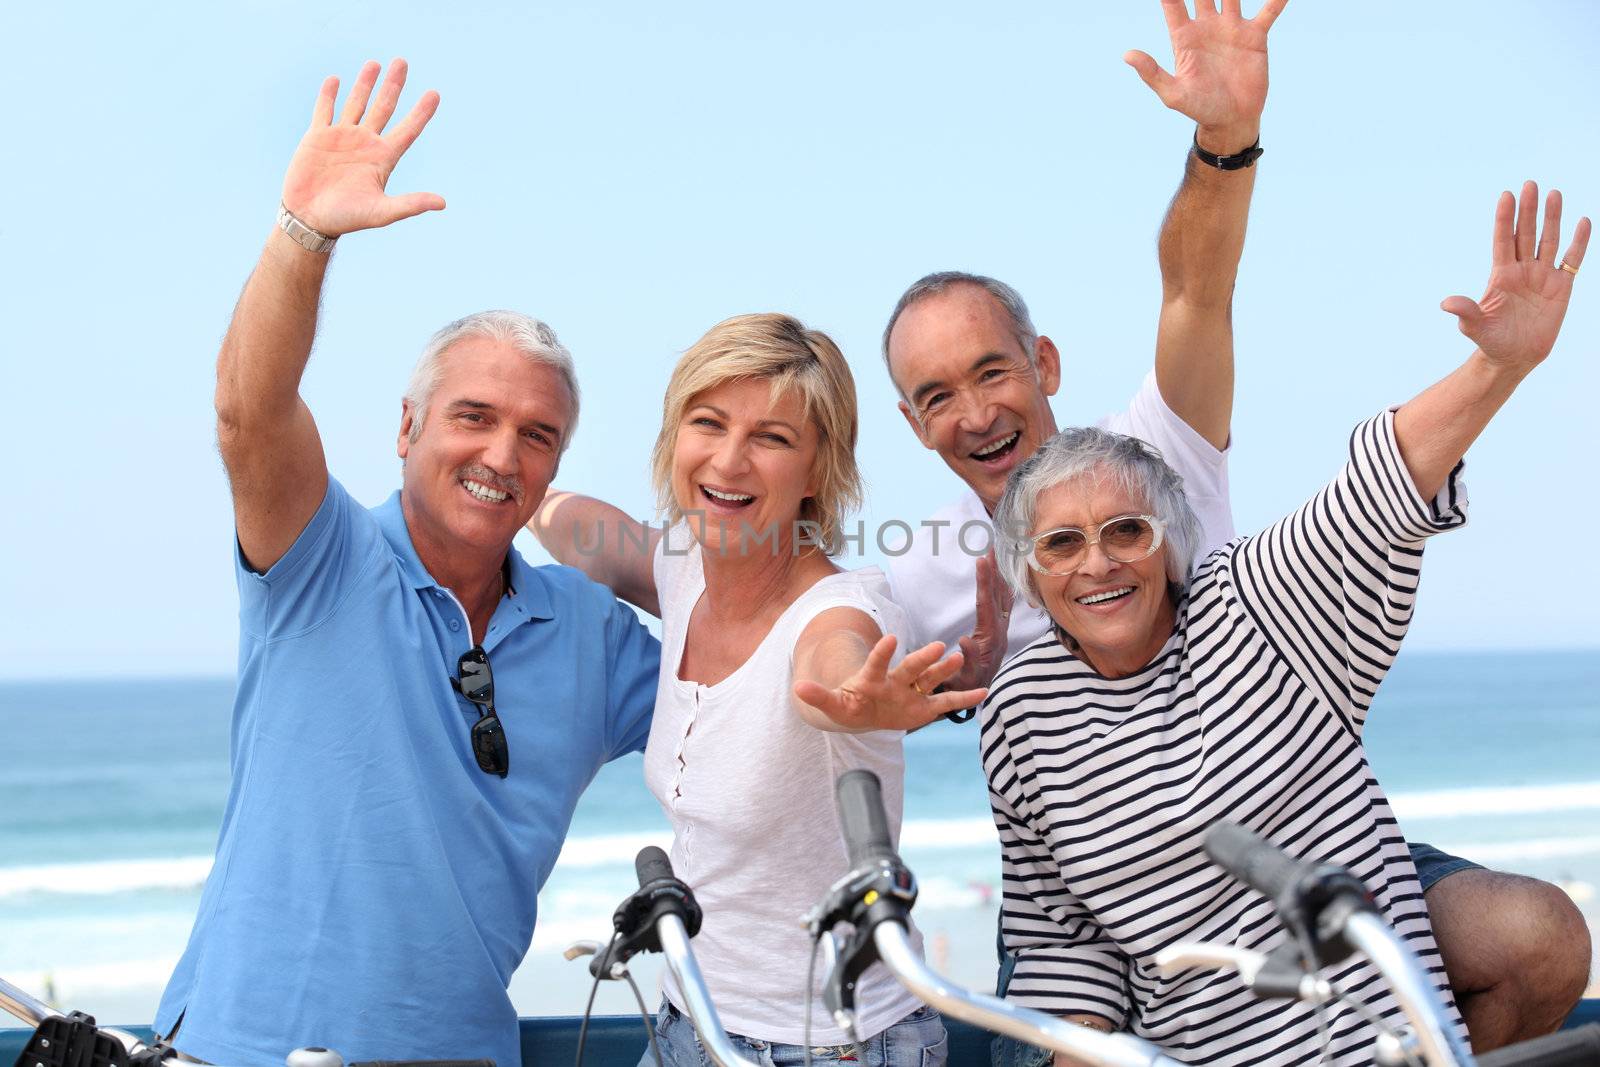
[487, 477]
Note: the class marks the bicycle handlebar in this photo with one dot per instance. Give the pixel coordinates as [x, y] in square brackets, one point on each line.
[1253, 860]
[862, 819]
[1331, 907]
[651, 865]
[661, 916]
[992, 1013]
[876, 898]
[24, 1006]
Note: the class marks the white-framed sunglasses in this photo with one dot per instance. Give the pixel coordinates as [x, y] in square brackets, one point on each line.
[1123, 538]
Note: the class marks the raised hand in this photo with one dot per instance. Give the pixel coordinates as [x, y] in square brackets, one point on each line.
[1516, 321]
[1219, 69]
[984, 649]
[878, 698]
[336, 180]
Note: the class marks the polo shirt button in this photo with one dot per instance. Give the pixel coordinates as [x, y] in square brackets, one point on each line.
[455, 624]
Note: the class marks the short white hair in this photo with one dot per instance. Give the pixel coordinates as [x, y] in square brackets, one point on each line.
[1082, 452]
[534, 339]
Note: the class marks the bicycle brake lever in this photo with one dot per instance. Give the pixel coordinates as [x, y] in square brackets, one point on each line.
[830, 952]
[1183, 956]
[581, 948]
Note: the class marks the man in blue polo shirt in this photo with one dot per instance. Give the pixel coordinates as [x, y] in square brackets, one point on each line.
[418, 709]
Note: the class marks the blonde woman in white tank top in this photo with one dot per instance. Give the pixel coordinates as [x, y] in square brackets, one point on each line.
[779, 671]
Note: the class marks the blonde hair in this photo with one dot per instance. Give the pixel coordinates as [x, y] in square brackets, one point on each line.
[780, 350]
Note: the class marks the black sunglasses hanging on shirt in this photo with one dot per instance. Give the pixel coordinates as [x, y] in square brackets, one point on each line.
[475, 681]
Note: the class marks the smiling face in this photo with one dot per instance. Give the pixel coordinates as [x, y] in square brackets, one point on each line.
[969, 390]
[1120, 614]
[746, 460]
[489, 444]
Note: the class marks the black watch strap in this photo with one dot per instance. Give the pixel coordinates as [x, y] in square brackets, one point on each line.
[1237, 161]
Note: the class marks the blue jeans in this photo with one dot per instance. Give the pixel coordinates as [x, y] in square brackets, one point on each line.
[1432, 867]
[918, 1040]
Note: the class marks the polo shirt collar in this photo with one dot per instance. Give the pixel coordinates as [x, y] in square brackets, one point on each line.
[528, 591]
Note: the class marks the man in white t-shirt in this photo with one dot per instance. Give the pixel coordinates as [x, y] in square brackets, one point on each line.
[975, 380]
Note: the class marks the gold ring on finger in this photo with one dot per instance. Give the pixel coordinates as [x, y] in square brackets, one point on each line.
[1568, 267]
[916, 684]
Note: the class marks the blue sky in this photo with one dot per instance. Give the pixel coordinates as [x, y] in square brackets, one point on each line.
[634, 173]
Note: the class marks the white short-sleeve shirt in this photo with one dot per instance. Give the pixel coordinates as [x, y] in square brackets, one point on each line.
[936, 581]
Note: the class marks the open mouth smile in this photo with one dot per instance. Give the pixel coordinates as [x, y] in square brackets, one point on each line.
[484, 493]
[726, 498]
[997, 450]
[1105, 596]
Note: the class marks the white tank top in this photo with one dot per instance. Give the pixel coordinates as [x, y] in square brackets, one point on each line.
[749, 789]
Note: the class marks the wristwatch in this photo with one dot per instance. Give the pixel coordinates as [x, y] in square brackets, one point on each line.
[303, 235]
[1237, 161]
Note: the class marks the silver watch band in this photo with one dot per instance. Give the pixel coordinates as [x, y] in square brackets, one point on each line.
[303, 235]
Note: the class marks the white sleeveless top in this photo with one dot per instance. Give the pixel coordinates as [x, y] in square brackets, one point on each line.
[749, 789]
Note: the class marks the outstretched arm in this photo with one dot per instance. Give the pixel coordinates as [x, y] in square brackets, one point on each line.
[1333, 585]
[334, 185]
[1219, 80]
[1514, 324]
[602, 542]
[843, 680]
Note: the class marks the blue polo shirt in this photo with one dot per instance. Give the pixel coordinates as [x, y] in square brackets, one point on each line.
[373, 889]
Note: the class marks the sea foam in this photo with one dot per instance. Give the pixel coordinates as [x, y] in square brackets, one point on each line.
[918, 837]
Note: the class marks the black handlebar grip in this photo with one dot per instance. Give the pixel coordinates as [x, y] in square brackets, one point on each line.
[652, 865]
[1252, 859]
[861, 817]
[1578, 1047]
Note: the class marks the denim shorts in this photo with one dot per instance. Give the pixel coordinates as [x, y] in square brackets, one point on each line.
[1432, 867]
[918, 1040]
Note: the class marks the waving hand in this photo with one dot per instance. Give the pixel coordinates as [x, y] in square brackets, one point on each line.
[984, 649]
[1516, 320]
[337, 179]
[1219, 69]
[877, 697]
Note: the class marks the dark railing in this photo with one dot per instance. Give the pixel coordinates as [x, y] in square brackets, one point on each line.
[619, 1040]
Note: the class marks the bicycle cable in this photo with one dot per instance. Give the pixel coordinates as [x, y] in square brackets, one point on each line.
[588, 1009]
[1308, 959]
[1376, 1021]
[811, 979]
[644, 1013]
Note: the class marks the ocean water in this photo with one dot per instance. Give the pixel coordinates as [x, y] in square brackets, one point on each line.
[111, 794]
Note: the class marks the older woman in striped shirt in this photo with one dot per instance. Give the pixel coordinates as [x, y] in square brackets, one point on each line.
[1169, 697]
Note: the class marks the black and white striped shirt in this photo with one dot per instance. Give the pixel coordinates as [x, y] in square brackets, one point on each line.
[1103, 789]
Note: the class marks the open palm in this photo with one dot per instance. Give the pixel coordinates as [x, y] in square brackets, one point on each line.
[1516, 321]
[983, 650]
[1219, 63]
[878, 697]
[336, 182]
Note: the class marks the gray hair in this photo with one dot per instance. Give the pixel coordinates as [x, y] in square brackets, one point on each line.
[1086, 451]
[942, 281]
[534, 339]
